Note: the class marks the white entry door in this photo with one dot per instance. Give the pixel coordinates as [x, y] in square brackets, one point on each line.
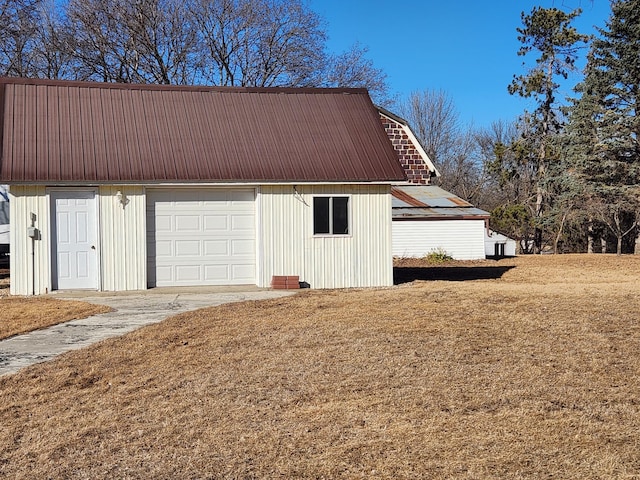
[75, 257]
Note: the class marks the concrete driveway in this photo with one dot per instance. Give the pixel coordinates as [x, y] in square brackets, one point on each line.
[132, 310]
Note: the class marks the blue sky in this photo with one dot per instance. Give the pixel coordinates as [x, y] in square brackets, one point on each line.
[464, 47]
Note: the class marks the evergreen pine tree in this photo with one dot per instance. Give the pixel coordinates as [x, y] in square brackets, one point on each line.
[549, 33]
[605, 127]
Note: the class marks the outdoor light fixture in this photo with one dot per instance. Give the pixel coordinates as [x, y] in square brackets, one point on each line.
[122, 199]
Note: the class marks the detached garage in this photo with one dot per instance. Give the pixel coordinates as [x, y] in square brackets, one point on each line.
[126, 187]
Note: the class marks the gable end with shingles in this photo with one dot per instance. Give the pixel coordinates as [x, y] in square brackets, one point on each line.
[417, 165]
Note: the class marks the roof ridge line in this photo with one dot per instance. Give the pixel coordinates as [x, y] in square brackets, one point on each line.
[194, 88]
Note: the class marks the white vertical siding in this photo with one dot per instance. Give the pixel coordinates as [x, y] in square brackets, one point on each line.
[281, 233]
[123, 248]
[461, 239]
[492, 238]
[23, 201]
[288, 246]
[122, 243]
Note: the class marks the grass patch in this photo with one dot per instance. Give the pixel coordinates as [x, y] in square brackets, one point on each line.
[532, 373]
[25, 314]
[438, 255]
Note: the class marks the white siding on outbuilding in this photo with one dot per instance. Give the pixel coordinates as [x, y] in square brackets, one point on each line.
[289, 247]
[121, 242]
[284, 240]
[25, 278]
[461, 239]
[507, 248]
[122, 246]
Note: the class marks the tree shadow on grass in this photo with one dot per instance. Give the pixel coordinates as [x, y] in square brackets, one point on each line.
[451, 274]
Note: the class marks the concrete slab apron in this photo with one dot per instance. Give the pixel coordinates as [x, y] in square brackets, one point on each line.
[130, 312]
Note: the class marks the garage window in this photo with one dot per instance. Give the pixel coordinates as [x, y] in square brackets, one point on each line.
[331, 215]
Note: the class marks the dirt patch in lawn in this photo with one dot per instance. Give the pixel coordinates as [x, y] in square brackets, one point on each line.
[534, 373]
[25, 314]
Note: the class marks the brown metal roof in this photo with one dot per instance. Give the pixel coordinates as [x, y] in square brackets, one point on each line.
[82, 132]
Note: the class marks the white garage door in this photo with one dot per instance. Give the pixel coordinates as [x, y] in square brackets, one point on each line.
[201, 237]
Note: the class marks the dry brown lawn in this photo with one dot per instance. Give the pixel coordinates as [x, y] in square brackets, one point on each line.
[530, 369]
[25, 314]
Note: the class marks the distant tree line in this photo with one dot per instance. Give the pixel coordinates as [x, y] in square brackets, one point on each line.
[566, 176]
[259, 43]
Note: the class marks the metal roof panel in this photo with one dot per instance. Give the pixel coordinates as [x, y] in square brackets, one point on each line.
[430, 202]
[56, 131]
[428, 195]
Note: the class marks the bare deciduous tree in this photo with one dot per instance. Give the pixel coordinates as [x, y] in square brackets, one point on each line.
[222, 26]
[101, 43]
[18, 21]
[258, 42]
[353, 69]
[434, 120]
[162, 38]
[52, 44]
[504, 159]
[261, 43]
[144, 41]
[455, 150]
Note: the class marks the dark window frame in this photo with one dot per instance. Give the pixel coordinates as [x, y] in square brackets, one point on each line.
[331, 215]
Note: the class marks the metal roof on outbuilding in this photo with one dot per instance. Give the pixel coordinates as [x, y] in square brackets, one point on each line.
[86, 132]
[428, 202]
